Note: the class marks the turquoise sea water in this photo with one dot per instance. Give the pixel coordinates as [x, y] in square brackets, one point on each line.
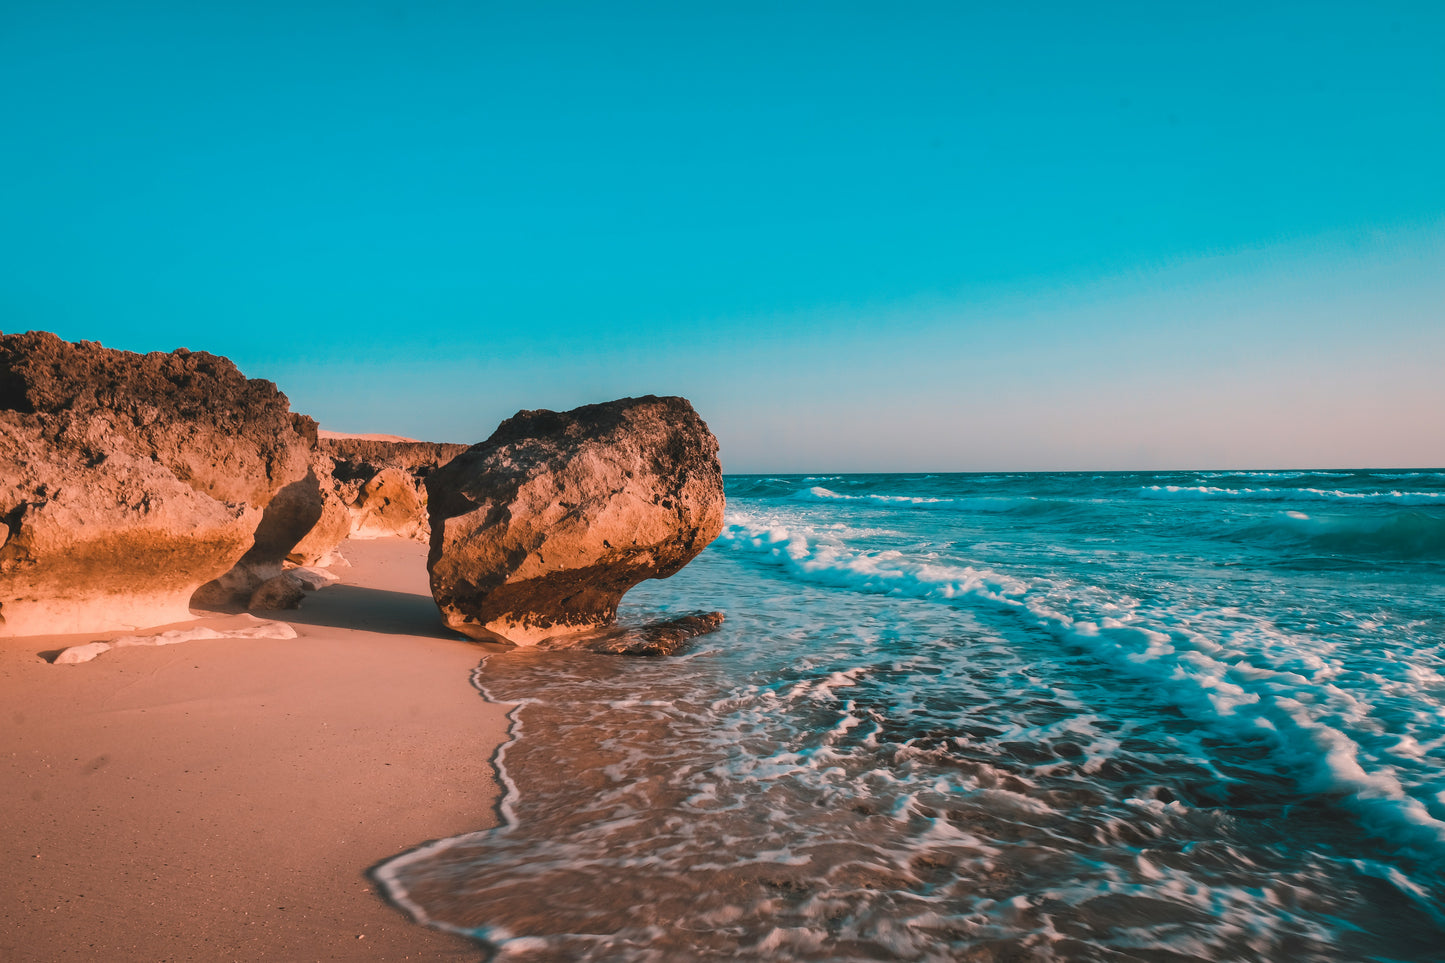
[1125, 716]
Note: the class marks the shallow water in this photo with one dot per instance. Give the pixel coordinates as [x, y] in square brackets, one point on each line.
[1154, 716]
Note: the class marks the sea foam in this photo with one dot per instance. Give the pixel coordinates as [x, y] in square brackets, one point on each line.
[1236, 672]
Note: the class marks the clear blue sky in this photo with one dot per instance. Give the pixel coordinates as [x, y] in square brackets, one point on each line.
[858, 236]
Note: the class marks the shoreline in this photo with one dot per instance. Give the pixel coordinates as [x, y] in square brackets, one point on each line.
[386, 873]
[230, 798]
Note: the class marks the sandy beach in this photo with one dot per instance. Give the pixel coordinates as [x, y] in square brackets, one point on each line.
[224, 799]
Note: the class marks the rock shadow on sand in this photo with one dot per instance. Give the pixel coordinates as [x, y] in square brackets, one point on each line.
[366, 609]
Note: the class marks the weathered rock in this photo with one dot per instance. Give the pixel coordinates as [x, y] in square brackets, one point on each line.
[380, 483]
[389, 505]
[250, 627]
[363, 457]
[357, 488]
[654, 638]
[313, 579]
[284, 591]
[289, 517]
[319, 545]
[129, 480]
[540, 530]
[228, 591]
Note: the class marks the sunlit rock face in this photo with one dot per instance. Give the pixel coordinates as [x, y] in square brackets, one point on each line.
[380, 484]
[357, 488]
[129, 480]
[538, 531]
[321, 544]
[295, 513]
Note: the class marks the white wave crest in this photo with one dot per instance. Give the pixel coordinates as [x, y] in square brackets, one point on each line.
[982, 504]
[831, 562]
[1275, 474]
[1292, 494]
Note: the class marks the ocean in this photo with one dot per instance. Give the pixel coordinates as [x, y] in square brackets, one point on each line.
[1157, 716]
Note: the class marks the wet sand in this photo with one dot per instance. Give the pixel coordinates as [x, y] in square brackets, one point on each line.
[224, 799]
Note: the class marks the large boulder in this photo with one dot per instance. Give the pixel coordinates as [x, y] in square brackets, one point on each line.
[538, 531]
[129, 480]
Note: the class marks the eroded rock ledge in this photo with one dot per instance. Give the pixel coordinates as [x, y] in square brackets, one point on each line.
[538, 531]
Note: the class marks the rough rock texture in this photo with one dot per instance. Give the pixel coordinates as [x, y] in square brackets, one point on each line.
[319, 545]
[289, 518]
[313, 579]
[252, 628]
[361, 458]
[654, 638]
[357, 488]
[389, 505]
[128, 480]
[283, 591]
[538, 531]
[380, 483]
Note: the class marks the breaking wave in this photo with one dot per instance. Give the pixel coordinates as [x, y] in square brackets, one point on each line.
[1235, 672]
[1409, 535]
[942, 722]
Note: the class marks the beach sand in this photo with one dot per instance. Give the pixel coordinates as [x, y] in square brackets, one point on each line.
[224, 799]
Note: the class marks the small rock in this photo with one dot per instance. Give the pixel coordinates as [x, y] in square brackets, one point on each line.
[130, 480]
[81, 653]
[285, 591]
[380, 482]
[173, 637]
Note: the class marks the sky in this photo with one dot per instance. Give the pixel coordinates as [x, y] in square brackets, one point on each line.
[859, 237]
